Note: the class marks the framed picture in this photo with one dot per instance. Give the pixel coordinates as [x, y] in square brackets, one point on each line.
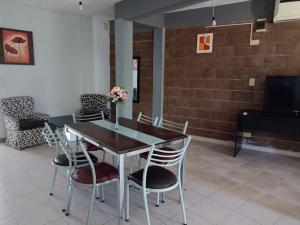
[205, 43]
[16, 47]
[136, 79]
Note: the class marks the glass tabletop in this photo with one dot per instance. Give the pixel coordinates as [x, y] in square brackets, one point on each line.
[139, 136]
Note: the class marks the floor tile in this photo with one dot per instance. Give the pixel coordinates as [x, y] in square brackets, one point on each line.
[237, 219]
[210, 210]
[259, 213]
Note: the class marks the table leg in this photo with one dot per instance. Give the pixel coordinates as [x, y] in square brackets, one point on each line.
[121, 188]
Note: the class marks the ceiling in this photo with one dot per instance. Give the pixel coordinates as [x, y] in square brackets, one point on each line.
[103, 8]
[209, 3]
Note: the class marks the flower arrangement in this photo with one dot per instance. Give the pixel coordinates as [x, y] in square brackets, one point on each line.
[117, 95]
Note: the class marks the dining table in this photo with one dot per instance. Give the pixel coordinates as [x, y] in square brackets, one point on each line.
[130, 139]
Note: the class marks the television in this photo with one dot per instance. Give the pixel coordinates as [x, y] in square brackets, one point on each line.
[282, 96]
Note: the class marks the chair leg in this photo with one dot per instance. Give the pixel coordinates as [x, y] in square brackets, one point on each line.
[163, 196]
[103, 157]
[146, 207]
[102, 193]
[67, 190]
[127, 201]
[157, 199]
[182, 205]
[53, 181]
[71, 191]
[91, 206]
[131, 164]
[97, 192]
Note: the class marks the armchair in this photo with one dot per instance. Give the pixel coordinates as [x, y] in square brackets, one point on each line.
[23, 126]
[93, 104]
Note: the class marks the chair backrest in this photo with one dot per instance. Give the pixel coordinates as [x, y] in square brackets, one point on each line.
[178, 127]
[93, 102]
[166, 158]
[51, 137]
[73, 154]
[78, 118]
[18, 107]
[142, 118]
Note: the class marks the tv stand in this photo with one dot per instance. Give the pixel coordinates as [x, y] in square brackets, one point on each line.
[258, 120]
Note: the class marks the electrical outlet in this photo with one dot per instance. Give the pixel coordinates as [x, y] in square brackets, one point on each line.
[247, 135]
[2, 83]
[251, 82]
[254, 42]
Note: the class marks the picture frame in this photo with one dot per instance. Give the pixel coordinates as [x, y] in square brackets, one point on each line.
[16, 47]
[205, 43]
[136, 73]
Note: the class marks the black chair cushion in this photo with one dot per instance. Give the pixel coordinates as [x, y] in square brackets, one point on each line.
[30, 124]
[157, 177]
[62, 159]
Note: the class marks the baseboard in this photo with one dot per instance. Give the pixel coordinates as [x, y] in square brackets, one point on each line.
[248, 146]
[2, 140]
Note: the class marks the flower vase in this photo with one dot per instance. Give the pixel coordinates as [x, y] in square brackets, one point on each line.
[117, 119]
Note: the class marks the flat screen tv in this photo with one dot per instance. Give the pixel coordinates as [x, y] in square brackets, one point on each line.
[282, 96]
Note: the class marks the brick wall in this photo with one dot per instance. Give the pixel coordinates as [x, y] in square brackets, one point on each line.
[209, 89]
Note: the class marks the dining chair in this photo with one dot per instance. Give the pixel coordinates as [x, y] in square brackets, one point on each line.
[60, 159]
[143, 118]
[93, 175]
[173, 126]
[80, 118]
[158, 178]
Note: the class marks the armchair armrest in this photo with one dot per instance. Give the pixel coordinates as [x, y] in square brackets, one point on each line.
[40, 116]
[12, 123]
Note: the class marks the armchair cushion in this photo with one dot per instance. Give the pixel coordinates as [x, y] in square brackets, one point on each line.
[40, 116]
[11, 123]
[94, 103]
[29, 124]
[18, 107]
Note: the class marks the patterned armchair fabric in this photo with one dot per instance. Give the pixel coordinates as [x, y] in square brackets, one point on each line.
[16, 110]
[94, 103]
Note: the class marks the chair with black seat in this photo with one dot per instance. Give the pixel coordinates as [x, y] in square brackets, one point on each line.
[173, 126]
[143, 118]
[157, 178]
[81, 118]
[60, 159]
[93, 175]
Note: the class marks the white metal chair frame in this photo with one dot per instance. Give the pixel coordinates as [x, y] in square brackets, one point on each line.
[73, 162]
[161, 158]
[77, 118]
[53, 142]
[143, 118]
[177, 127]
[80, 118]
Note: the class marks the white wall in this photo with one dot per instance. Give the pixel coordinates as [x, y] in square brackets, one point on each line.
[101, 39]
[64, 59]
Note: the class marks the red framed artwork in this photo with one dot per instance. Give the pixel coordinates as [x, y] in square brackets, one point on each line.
[205, 43]
[16, 47]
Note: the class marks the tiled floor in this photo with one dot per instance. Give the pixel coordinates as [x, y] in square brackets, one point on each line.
[253, 189]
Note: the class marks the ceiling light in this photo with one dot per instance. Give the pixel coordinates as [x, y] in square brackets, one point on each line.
[80, 5]
[214, 22]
